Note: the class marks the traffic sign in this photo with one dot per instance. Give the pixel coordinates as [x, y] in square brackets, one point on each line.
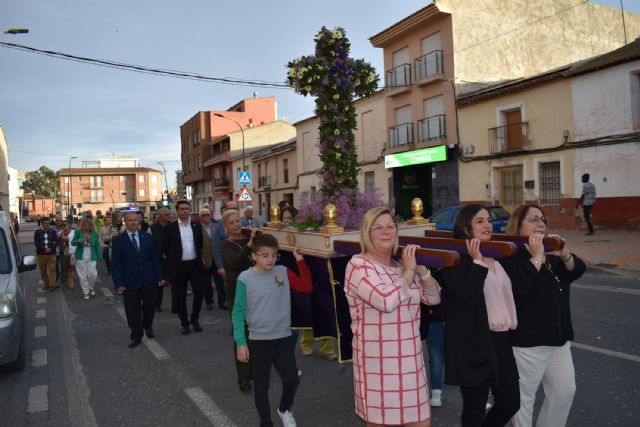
[245, 196]
[244, 178]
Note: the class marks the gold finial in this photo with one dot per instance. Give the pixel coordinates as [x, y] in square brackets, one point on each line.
[417, 208]
[330, 214]
[275, 222]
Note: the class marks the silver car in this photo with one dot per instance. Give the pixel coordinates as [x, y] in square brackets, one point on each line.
[12, 297]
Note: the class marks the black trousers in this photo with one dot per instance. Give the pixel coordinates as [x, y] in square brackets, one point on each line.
[264, 354]
[189, 273]
[107, 260]
[207, 290]
[218, 280]
[139, 306]
[586, 211]
[506, 392]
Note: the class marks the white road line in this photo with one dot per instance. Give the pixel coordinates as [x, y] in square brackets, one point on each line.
[606, 352]
[41, 313]
[40, 331]
[107, 292]
[209, 408]
[153, 346]
[40, 290]
[41, 300]
[39, 358]
[38, 400]
[608, 289]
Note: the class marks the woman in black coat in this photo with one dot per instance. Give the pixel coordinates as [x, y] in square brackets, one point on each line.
[480, 316]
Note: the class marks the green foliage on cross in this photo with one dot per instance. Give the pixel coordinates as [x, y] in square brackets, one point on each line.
[334, 78]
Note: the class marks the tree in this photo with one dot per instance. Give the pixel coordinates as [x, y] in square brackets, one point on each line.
[42, 181]
[334, 78]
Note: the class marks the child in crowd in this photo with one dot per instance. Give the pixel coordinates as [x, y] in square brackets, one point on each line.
[263, 299]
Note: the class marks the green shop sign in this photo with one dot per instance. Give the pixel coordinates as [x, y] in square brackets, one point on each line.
[416, 157]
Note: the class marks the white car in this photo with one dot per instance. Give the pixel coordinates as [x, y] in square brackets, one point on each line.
[12, 297]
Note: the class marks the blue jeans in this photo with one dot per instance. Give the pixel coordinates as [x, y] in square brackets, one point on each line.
[435, 346]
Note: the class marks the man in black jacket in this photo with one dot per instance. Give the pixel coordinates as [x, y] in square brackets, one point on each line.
[182, 247]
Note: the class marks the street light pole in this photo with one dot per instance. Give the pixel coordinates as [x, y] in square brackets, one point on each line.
[164, 171]
[69, 188]
[241, 131]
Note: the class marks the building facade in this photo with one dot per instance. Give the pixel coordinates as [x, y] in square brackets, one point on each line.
[16, 179]
[37, 205]
[4, 171]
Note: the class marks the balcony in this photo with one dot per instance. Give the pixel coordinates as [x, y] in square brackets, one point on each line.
[428, 65]
[221, 182]
[504, 139]
[398, 76]
[264, 181]
[431, 128]
[401, 135]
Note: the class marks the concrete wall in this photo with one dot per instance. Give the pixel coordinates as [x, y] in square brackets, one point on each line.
[495, 40]
[607, 102]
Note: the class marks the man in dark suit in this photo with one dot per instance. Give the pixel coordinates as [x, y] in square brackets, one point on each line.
[182, 246]
[136, 273]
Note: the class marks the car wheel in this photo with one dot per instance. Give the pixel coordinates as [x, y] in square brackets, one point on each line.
[18, 364]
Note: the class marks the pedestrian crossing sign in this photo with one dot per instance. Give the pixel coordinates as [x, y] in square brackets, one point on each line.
[244, 178]
[245, 196]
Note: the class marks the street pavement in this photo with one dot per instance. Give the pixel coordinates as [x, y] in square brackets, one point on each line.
[81, 373]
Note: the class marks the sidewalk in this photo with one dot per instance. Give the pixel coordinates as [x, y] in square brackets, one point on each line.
[607, 250]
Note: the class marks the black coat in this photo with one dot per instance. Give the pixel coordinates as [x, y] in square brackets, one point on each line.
[172, 246]
[542, 303]
[469, 357]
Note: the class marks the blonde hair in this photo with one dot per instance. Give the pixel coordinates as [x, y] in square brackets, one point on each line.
[365, 229]
[518, 216]
[86, 220]
[227, 214]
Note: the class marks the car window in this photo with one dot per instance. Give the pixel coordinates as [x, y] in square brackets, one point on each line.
[442, 216]
[498, 213]
[5, 257]
[16, 249]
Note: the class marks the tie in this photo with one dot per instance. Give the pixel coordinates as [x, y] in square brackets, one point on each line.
[135, 242]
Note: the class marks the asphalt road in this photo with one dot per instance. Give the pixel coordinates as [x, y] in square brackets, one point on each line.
[81, 373]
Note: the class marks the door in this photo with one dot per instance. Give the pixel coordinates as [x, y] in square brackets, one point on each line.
[514, 130]
[510, 187]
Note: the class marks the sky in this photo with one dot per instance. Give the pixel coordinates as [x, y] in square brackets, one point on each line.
[52, 109]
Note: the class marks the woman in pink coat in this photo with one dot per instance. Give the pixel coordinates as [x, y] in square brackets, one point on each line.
[384, 295]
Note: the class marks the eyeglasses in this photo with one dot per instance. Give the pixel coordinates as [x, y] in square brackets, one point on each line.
[275, 256]
[388, 227]
[535, 220]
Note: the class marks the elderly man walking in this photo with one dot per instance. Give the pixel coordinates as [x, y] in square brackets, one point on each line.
[46, 241]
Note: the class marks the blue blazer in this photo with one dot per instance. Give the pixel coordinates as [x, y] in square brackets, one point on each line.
[131, 269]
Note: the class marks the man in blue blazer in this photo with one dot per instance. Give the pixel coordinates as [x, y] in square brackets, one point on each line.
[136, 272]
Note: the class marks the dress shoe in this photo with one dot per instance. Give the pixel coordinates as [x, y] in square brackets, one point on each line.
[134, 343]
[223, 306]
[245, 386]
[185, 330]
[196, 326]
[158, 309]
[209, 307]
[149, 333]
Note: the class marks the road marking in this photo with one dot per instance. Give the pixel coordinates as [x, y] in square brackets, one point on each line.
[40, 331]
[153, 346]
[107, 292]
[209, 408]
[39, 358]
[41, 313]
[40, 290]
[38, 400]
[41, 300]
[606, 352]
[608, 289]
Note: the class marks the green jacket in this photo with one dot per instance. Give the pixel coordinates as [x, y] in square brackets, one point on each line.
[96, 252]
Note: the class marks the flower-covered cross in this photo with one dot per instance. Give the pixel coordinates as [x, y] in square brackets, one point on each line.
[334, 78]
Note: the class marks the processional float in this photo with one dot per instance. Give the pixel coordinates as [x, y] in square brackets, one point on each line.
[328, 251]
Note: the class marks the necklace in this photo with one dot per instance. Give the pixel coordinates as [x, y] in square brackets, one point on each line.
[554, 275]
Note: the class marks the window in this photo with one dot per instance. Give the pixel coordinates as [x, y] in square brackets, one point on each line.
[285, 167]
[400, 74]
[97, 181]
[402, 132]
[154, 192]
[142, 192]
[550, 183]
[123, 178]
[154, 178]
[369, 180]
[141, 178]
[430, 62]
[123, 192]
[66, 180]
[432, 125]
[97, 195]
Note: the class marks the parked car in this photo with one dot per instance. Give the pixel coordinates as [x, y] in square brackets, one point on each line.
[12, 297]
[445, 218]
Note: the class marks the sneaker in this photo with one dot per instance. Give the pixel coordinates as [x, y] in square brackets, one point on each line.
[490, 401]
[92, 293]
[299, 372]
[85, 297]
[287, 418]
[436, 398]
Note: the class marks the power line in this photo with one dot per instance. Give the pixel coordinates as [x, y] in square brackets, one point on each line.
[147, 70]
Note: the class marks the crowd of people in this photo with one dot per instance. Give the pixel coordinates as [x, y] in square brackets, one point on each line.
[495, 326]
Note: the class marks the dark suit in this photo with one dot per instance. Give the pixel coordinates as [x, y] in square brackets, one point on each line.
[182, 272]
[138, 272]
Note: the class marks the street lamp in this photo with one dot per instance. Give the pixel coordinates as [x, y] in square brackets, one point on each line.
[69, 188]
[16, 31]
[164, 171]
[241, 130]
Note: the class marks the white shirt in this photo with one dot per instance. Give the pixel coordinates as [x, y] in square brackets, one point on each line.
[188, 244]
